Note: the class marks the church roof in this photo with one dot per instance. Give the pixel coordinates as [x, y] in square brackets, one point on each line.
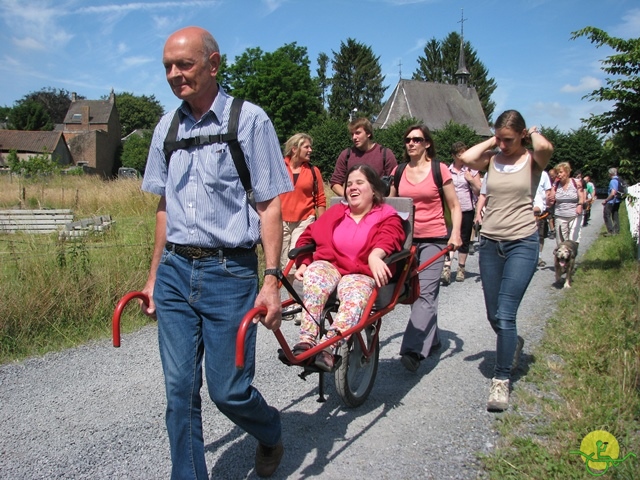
[435, 104]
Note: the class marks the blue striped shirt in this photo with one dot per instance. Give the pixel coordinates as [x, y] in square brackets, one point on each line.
[206, 202]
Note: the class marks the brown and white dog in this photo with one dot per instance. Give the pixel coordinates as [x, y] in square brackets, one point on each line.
[564, 259]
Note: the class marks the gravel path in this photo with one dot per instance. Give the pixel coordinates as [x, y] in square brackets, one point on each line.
[97, 411]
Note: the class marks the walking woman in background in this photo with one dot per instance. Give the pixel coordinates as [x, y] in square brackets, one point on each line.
[430, 234]
[509, 236]
[467, 184]
[305, 203]
[570, 198]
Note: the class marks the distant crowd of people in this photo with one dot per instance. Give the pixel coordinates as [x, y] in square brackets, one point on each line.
[224, 189]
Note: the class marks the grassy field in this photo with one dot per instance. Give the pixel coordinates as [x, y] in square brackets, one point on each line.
[57, 293]
[586, 376]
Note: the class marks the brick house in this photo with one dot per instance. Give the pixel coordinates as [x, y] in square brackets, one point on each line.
[92, 131]
[29, 144]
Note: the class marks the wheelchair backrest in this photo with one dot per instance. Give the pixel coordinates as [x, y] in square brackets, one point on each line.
[404, 207]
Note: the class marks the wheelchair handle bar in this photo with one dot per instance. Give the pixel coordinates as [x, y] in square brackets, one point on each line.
[115, 322]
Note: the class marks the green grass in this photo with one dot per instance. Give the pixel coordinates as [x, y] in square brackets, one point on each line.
[57, 294]
[586, 376]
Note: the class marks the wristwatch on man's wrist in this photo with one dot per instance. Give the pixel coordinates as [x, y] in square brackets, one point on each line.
[276, 272]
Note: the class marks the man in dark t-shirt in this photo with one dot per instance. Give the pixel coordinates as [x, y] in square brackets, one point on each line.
[364, 151]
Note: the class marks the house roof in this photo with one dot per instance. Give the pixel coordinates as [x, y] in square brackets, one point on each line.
[99, 111]
[435, 104]
[27, 141]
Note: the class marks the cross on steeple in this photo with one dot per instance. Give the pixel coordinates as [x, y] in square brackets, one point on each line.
[461, 22]
[400, 67]
[462, 74]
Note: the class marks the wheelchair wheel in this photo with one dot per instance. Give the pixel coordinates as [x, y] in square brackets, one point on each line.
[355, 376]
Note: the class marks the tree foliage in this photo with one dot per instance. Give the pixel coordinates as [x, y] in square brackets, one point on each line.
[137, 111]
[451, 133]
[55, 101]
[34, 165]
[393, 136]
[135, 150]
[330, 137]
[29, 115]
[440, 64]
[280, 82]
[357, 81]
[623, 89]
[324, 82]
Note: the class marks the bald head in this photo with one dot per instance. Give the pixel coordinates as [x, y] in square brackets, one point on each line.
[198, 37]
[191, 60]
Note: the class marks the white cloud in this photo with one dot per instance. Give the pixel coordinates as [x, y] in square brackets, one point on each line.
[630, 26]
[273, 5]
[551, 109]
[31, 25]
[29, 43]
[136, 6]
[136, 61]
[587, 84]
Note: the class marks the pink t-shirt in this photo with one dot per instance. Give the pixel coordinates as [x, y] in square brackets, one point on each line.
[350, 236]
[429, 217]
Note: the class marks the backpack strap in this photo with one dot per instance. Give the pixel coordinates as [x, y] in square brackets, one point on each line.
[398, 175]
[171, 144]
[437, 178]
[231, 139]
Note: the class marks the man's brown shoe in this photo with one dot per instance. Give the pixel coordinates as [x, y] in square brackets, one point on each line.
[268, 459]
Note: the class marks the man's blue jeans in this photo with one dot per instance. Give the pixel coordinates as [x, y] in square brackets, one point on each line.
[506, 268]
[199, 305]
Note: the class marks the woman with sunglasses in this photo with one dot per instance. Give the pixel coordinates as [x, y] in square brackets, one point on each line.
[509, 237]
[430, 235]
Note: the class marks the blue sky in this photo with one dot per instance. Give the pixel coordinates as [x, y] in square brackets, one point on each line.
[90, 47]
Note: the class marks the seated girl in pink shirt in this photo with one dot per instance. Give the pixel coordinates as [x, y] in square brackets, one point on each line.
[351, 241]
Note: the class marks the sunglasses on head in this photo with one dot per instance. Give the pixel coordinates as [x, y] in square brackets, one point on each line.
[409, 140]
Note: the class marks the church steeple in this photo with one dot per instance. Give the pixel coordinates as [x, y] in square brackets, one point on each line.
[462, 74]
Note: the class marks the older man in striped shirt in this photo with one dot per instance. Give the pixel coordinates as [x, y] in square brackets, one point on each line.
[203, 276]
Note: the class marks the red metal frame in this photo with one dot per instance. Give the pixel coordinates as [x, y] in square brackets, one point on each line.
[367, 318]
[115, 322]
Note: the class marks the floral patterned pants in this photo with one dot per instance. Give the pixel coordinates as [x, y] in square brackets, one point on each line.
[353, 290]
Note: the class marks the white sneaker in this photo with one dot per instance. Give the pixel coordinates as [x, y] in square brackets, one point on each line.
[498, 396]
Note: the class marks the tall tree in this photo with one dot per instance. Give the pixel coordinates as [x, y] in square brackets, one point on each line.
[137, 111]
[29, 115]
[280, 82]
[323, 81]
[357, 81]
[135, 150]
[623, 120]
[55, 102]
[440, 63]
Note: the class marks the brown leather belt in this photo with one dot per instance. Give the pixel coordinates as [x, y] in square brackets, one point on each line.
[195, 253]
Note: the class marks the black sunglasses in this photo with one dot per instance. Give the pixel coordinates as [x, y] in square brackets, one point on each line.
[408, 140]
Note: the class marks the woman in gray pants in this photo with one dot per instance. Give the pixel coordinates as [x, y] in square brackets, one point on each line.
[430, 234]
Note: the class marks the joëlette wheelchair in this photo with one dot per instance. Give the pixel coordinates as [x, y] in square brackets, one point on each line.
[356, 361]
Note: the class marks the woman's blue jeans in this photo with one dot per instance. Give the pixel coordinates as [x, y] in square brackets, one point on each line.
[506, 268]
[199, 305]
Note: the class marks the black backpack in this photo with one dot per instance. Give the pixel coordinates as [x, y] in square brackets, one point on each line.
[171, 144]
[435, 171]
[437, 178]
